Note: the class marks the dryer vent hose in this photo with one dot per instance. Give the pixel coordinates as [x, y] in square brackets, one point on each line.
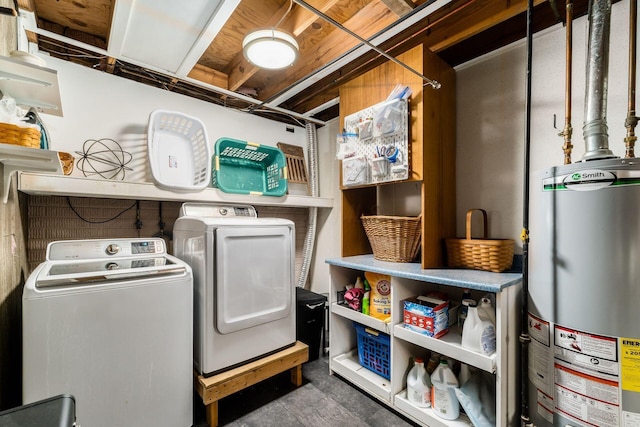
[309, 241]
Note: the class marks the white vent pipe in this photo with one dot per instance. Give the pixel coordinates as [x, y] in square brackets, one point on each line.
[309, 241]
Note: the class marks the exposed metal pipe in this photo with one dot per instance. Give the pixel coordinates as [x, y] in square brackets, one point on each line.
[568, 130]
[594, 130]
[632, 120]
[524, 338]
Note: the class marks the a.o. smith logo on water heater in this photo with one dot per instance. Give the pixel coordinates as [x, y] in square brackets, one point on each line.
[586, 180]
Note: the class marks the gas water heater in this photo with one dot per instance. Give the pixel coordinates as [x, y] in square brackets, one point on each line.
[584, 271]
[584, 295]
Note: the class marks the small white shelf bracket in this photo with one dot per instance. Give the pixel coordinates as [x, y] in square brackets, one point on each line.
[16, 158]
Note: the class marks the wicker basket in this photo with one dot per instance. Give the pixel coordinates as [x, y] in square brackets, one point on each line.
[393, 238]
[16, 135]
[479, 254]
[66, 160]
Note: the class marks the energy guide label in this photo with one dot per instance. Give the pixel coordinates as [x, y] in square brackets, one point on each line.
[630, 363]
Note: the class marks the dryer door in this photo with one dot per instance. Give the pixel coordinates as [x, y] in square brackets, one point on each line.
[254, 276]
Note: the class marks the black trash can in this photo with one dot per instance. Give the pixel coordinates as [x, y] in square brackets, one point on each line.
[310, 320]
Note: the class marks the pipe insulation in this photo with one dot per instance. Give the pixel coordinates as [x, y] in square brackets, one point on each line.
[310, 238]
[595, 134]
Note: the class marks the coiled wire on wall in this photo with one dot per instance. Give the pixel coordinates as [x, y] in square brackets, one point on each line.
[309, 240]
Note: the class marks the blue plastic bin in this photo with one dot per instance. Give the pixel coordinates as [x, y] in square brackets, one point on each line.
[374, 350]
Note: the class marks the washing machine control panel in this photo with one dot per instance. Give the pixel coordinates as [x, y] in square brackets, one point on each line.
[104, 248]
[147, 247]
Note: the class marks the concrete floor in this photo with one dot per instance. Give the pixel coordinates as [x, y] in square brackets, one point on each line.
[323, 400]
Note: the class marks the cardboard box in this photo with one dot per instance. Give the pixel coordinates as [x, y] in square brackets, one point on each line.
[428, 316]
[454, 309]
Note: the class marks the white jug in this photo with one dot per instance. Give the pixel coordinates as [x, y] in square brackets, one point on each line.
[419, 385]
[477, 334]
[443, 396]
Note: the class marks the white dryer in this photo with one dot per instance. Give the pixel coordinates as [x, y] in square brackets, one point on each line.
[111, 323]
[244, 289]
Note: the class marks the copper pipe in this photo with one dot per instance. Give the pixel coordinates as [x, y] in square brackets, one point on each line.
[568, 130]
[632, 120]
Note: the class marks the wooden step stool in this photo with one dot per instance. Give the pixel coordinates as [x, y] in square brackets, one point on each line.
[214, 388]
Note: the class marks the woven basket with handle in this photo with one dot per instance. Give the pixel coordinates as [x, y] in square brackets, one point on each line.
[17, 135]
[480, 254]
[393, 238]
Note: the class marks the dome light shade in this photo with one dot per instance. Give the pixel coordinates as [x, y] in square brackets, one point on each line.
[270, 48]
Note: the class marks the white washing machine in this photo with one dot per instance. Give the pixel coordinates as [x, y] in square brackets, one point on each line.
[111, 323]
[243, 272]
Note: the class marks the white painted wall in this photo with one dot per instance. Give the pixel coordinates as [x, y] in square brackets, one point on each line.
[491, 118]
[99, 105]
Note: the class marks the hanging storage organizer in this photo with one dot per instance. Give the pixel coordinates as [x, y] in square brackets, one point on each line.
[378, 144]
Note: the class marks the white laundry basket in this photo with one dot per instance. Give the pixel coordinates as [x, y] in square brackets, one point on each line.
[179, 151]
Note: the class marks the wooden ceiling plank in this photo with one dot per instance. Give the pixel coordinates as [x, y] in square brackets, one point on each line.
[399, 7]
[209, 76]
[367, 22]
[27, 5]
[88, 17]
[477, 17]
[443, 29]
[240, 70]
[302, 19]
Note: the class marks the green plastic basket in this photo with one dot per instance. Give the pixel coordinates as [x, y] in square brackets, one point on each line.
[243, 167]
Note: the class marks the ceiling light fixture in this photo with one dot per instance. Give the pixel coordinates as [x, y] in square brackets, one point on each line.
[271, 48]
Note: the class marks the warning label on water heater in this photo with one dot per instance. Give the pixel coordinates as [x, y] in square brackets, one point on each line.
[586, 377]
[630, 363]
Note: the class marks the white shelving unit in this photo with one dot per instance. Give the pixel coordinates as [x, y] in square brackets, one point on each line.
[15, 158]
[31, 85]
[62, 185]
[407, 281]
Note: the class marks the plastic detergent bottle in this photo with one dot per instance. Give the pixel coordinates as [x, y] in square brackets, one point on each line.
[434, 361]
[366, 297]
[464, 304]
[443, 396]
[419, 385]
[486, 311]
[477, 334]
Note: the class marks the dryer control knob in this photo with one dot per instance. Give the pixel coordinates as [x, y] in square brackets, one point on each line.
[112, 249]
[112, 266]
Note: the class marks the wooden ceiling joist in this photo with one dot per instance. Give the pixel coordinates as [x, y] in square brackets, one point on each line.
[399, 7]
